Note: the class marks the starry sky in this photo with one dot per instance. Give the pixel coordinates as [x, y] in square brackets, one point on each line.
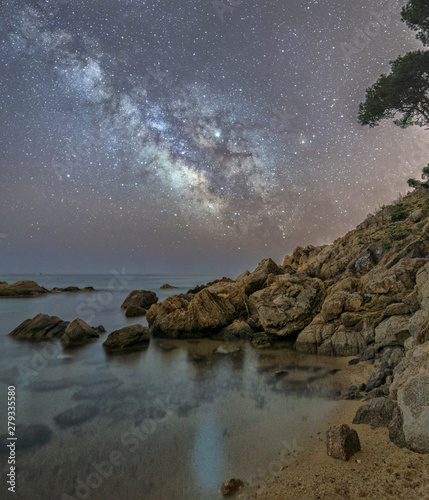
[192, 136]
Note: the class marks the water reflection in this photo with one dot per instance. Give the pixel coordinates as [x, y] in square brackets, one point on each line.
[183, 415]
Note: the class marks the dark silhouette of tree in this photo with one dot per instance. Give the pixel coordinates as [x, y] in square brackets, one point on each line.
[403, 95]
[416, 15]
[414, 183]
[405, 91]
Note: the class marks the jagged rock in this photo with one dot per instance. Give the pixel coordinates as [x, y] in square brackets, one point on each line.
[377, 413]
[41, 327]
[342, 442]
[134, 311]
[235, 293]
[392, 356]
[28, 436]
[255, 281]
[199, 288]
[242, 276]
[76, 415]
[140, 298]
[289, 304]
[368, 354]
[22, 288]
[393, 331]
[238, 329]
[130, 338]
[410, 388]
[168, 287]
[78, 333]
[180, 316]
[378, 378]
[231, 486]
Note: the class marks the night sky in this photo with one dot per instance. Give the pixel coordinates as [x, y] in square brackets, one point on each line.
[192, 136]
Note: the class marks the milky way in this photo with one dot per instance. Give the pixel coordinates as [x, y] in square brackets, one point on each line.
[187, 136]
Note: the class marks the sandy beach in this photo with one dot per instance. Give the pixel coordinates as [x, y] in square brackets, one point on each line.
[380, 470]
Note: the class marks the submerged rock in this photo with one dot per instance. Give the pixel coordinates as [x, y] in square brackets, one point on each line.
[342, 442]
[76, 415]
[130, 338]
[41, 327]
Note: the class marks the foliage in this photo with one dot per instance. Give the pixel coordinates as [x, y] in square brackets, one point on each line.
[398, 234]
[399, 213]
[405, 91]
[416, 15]
[414, 183]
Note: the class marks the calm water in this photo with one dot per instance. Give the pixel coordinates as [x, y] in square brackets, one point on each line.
[170, 422]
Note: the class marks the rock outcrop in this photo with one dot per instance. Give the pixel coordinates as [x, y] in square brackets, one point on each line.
[289, 304]
[139, 301]
[167, 286]
[182, 316]
[22, 289]
[130, 338]
[41, 327]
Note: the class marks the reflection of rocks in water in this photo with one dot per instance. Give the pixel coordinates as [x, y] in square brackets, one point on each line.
[28, 436]
[76, 415]
[303, 380]
[166, 346]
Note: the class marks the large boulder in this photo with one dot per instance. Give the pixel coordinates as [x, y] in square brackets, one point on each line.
[182, 316]
[22, 289]
[134, 312]
[78, 333]
[140, 298]
[41, 327]
[289, 304]
[377, 412]
[76, 415]
[410, 388]
[130, 338]
[342, 442]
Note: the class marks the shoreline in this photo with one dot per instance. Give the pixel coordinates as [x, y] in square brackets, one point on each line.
[381, 469]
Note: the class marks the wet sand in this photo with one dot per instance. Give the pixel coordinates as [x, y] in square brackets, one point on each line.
[380, 470]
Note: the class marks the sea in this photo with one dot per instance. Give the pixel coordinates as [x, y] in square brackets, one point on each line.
[169, 422]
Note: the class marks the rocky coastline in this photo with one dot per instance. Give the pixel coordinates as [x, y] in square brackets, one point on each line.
[364, 297]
